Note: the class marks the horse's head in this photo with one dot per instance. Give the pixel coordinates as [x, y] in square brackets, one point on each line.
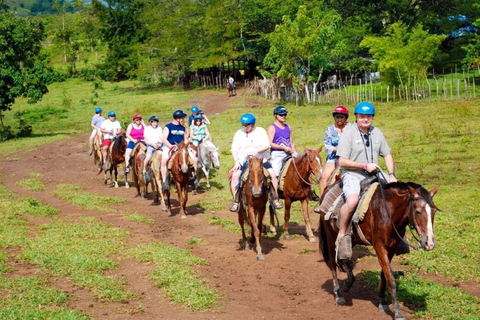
[183, 157]
[314, 162]
[422, 214]
[255, 176]
[212, 153]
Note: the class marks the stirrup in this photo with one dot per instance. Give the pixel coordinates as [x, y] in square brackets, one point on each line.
[317, 209]
[313, 196]
[235, 207]
[277, 204]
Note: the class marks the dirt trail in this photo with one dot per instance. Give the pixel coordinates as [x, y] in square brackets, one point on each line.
[287, 285]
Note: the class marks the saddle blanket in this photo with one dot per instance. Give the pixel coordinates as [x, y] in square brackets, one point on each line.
[283, 173]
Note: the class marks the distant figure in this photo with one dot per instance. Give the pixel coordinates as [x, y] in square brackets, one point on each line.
[97, 120]
[231, 86]
[194, 110]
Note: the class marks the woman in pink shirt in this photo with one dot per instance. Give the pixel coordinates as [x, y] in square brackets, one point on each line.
[134, 135]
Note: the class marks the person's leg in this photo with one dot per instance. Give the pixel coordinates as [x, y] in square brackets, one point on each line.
[276, 203]
[163, 168]
[91, 141]
[128, 153]
[233, 187]
[104, 152]
[328, 169]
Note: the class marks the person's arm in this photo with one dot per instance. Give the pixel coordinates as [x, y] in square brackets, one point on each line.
[129, 131]
[119, 129]
[391, 168]
[103, 128]
[271, 136]
[165, 134]
[353, 165]
[327, 142]
[207, 135]
[205, 119]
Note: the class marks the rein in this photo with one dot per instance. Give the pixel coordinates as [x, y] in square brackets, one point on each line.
[410, 209]
[251, 184]
[309, 171]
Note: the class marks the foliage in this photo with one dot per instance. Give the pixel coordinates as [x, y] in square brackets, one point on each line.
[298, 47]
[402, 53]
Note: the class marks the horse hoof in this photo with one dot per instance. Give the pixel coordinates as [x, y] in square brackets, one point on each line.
[340, 301]
[287, 237]
[127, 185]
[194, 192]
[383, 307]
[208, 188]
[164, 209]
[260, 258]
[399, 316]
[312, 239]
[184, 216]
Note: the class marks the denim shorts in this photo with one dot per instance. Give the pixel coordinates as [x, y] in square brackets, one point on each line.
[351, 184]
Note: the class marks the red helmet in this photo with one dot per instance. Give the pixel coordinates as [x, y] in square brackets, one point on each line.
[340, 110]
[137, 116]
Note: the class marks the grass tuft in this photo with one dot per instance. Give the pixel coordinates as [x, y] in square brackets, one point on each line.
[136, 217]
[31, 184]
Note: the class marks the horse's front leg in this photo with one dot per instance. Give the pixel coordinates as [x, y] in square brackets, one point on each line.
[383, 306]
[306, 218]
[180, 199]
[260, 213]
[185, 199]
[271, 210]
[116, 176]
[241, 221]
[126, 175]
[288, 205]
[384, 260]
[206, 173]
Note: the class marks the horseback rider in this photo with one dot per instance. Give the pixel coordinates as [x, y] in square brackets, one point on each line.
[110, 128]
[153, 140]
[330, 140]
[358, 151]
[281, 141]
[198, 133]
[204, 117]
[135, 134]
[173, 133]
[97, 121]
[250, 141]
[195, 111]
[232, 83]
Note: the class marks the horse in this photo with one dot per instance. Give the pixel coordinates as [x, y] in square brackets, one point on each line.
[138, 157]
[116, 157]
[253, 203]
[391, 209]
[230, 89]
[97, 150]
[207, 154]
[181, 173]
[297, 187]
[157, 180]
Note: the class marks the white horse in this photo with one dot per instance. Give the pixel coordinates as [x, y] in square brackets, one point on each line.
[207, 154]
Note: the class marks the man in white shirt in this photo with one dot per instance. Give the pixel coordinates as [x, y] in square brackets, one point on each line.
[250, 140]
[110, 128]
[153, 139]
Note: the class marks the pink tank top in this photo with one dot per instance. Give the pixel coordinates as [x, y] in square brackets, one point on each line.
[137, 134]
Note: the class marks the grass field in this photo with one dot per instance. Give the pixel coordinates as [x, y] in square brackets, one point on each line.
[433, 143]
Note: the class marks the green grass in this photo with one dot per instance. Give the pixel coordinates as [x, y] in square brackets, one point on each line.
[90, 201]
[198, 241]
[175, 275]
[430, 300]
[31, 184]
[32, 298]
[80, 251]
[3, 263]
[136, 217]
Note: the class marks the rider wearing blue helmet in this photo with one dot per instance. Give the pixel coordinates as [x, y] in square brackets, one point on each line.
[97, 120]
[359, 147]
[110, 128]
[250, 141]
[194, 110]
[173, 133]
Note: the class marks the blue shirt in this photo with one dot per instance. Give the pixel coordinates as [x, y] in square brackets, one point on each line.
[176, 133]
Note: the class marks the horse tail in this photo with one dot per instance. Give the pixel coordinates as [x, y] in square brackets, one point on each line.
[324, 242]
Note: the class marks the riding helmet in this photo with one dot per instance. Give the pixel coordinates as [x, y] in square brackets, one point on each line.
[365, 108]
[137, 116]
[179, 114]
[112, 114]
[197, 117]
[280, 110]
[153, 118]
[340, 110]
[200, 111]
[247, 118]
[98, 110]
[194, 109]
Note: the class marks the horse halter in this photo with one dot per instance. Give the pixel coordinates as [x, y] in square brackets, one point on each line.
[412, 222]
[250, 180]
[309, 170]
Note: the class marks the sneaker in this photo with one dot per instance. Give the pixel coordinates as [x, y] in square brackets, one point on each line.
[277, 204]
[235, 207]
[90, 152]
[314, 196]
[343, 247]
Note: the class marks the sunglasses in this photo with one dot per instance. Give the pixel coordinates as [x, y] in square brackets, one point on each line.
[282, 115]
[246, 124]
[367, 140]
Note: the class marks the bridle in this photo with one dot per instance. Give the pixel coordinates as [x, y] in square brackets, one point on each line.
[250, 180]
[309, 170]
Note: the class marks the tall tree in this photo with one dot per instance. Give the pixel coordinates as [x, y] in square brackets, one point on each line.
[22, 72]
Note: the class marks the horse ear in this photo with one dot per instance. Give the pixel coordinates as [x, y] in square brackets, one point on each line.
[319, 150]
[434, 191]
[412, 190]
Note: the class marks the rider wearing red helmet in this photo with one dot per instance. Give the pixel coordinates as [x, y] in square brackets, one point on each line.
[135, 134]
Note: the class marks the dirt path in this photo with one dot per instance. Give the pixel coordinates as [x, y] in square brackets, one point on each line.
[287, 285]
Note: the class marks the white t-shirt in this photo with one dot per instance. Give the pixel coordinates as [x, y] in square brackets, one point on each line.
[110, 125]
[153, 135]
[245, 144]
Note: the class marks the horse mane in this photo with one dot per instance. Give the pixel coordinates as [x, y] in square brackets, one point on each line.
[405, 186]
[118, 143]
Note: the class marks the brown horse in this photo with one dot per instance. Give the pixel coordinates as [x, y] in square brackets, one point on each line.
[97, 150]
[297, 187]
[181, 173]
[253, 203]
[231, 91]
[138, 156]
[116, 157]
[408, 204]
[157, 179]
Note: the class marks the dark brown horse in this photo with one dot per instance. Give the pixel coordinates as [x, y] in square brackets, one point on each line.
[408, 204]
[115, 157]
[231, 91]
[181, 173]
[138, 156]
[253, 203]
[297, 187]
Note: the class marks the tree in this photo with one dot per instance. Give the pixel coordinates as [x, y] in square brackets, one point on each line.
[402, 53]
[298, 47]
[22, 72]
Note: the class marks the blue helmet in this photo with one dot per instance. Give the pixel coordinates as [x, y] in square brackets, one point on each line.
[112, 114]
[197, 117]
[365, 108]
[280, 110]
[194, 109]
[98, 110]
[153, 118]
[247, 118]
[179, 114]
